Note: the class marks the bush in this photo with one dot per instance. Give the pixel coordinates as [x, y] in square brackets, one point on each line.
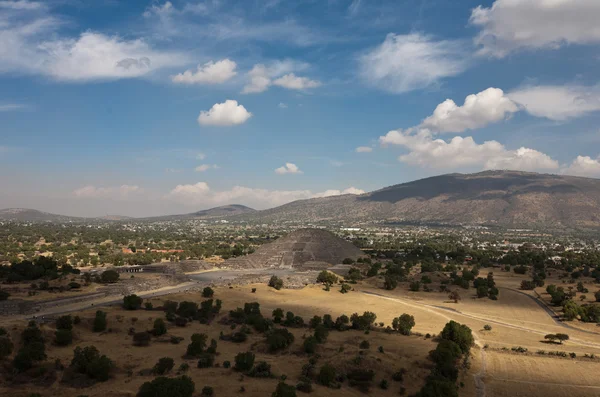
[310, 344]
[187, 309]
[132, 302]
[384, 384]
[148, 306]
[109, 277]
[284, 390]
[207, 391]
[279, 338]
[4, 295]
[315, 321]
[99, 322]
[415, 286]
[276, 282]
[206, 360]
[361, 378]
[398, 376]
[159, 328]
[63, 337]
[76, 320]
[163, 366]
[141, 339]
[321, 333]
[64, 322]
[404, 323]
[168, 387]
[196, 348]
[487, 327]
[226, 364]
[305, 385]
[364, 344]
[459, 334]
[244, 361]
[326, 375]
[6, 347]
[89, 361]
[364, 321]
[207, 292]
[345, 288]
[261, 370]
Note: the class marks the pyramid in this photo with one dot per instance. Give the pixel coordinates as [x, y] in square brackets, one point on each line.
[303, 248]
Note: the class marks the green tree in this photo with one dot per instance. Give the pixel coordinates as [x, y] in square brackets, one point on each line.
[207, 292]
[326, 375]
[327, 278]
[459, 334]
[276, 282]
[404, 323]
[284, 390]
[163, 366]
[160, 328]
[244, 361]
[63, 337]
[132, 302]
[197, 346]
[345, 288]
[99, 322]
[6, 347]
[182, 386]
[109, 277]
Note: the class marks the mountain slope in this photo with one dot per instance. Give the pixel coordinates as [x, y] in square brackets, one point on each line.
[506, 198]
[223, 211]
[29, 215]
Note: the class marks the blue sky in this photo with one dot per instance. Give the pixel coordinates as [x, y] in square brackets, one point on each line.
[151, 107]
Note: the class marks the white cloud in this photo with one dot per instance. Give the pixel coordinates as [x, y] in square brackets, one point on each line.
[427, 152]
[261, 77]
[209, 73]
[479, 110]
[288, 168]
[30, 44]
[9, 107]
[408, 62]
[293, 82]
[200, 156]
[282, 105]
[334, 192]
[510, 25]
[21, 5]
[119, 192]
[206, 167]
[584, 166]
[227, 113]
[200, 194]
[558, 102]
[364, 149]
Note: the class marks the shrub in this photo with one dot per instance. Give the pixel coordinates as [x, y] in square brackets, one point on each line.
[163, 366]
[63, 337]
[6, 347]
[326, 375]
[361, 378]
[364, 321]
[458, 333]
[141, 338]
[279, 338]
[99, 321]
[315, 321]
[348, 261]
[276, 282]
[187, 309]
[4, 295]
[207, 391]
[170, 306]
[404, 323]
[206, 360]
[132, 302]
[89, 361]
[384, 384]
[64, 322]
[159, 328]
[244, 361]
[207, 292]
[197, 346]
[487, 327]
[148, 306]
[181, 321]
[305, 385]
[415, 286]
[109, 277]
[284, 390]
[398, 376]
[310, 344]
[182, 386]
[76, 320]
[261, 370]
[345, 288]
[321, 333]
[226, 364]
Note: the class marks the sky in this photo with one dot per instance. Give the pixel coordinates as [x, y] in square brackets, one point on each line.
[145, 107]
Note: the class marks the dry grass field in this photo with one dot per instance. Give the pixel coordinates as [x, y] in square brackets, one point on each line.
[516, 318]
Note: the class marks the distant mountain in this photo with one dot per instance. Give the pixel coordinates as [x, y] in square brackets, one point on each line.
[29, 215]
[503, 198]
[224, 211]
[114, 218]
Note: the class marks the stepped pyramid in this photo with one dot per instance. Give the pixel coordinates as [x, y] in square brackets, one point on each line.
[303, 248]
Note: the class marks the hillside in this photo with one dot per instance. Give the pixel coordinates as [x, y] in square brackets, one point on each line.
[29, 215]
[223, 211]
[504, 198]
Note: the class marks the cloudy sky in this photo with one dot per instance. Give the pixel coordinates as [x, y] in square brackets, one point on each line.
[154, 107]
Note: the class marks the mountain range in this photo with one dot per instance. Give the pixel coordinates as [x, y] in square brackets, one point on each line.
[502, 198]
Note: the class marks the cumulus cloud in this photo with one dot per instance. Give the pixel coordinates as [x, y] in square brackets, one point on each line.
[335, 192]
[21, 5]
[282, 105]
[558, 102]
[206, 167]
[509, 25]
[112, 192]
[279, 73]
[427, 152]
[223, 114]
[209, 73]
[584, 166]
[288, 168]
[30, 43]
[293, 82]
[200, 194]
[364, 149]
[404, 63]
[479, 110]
